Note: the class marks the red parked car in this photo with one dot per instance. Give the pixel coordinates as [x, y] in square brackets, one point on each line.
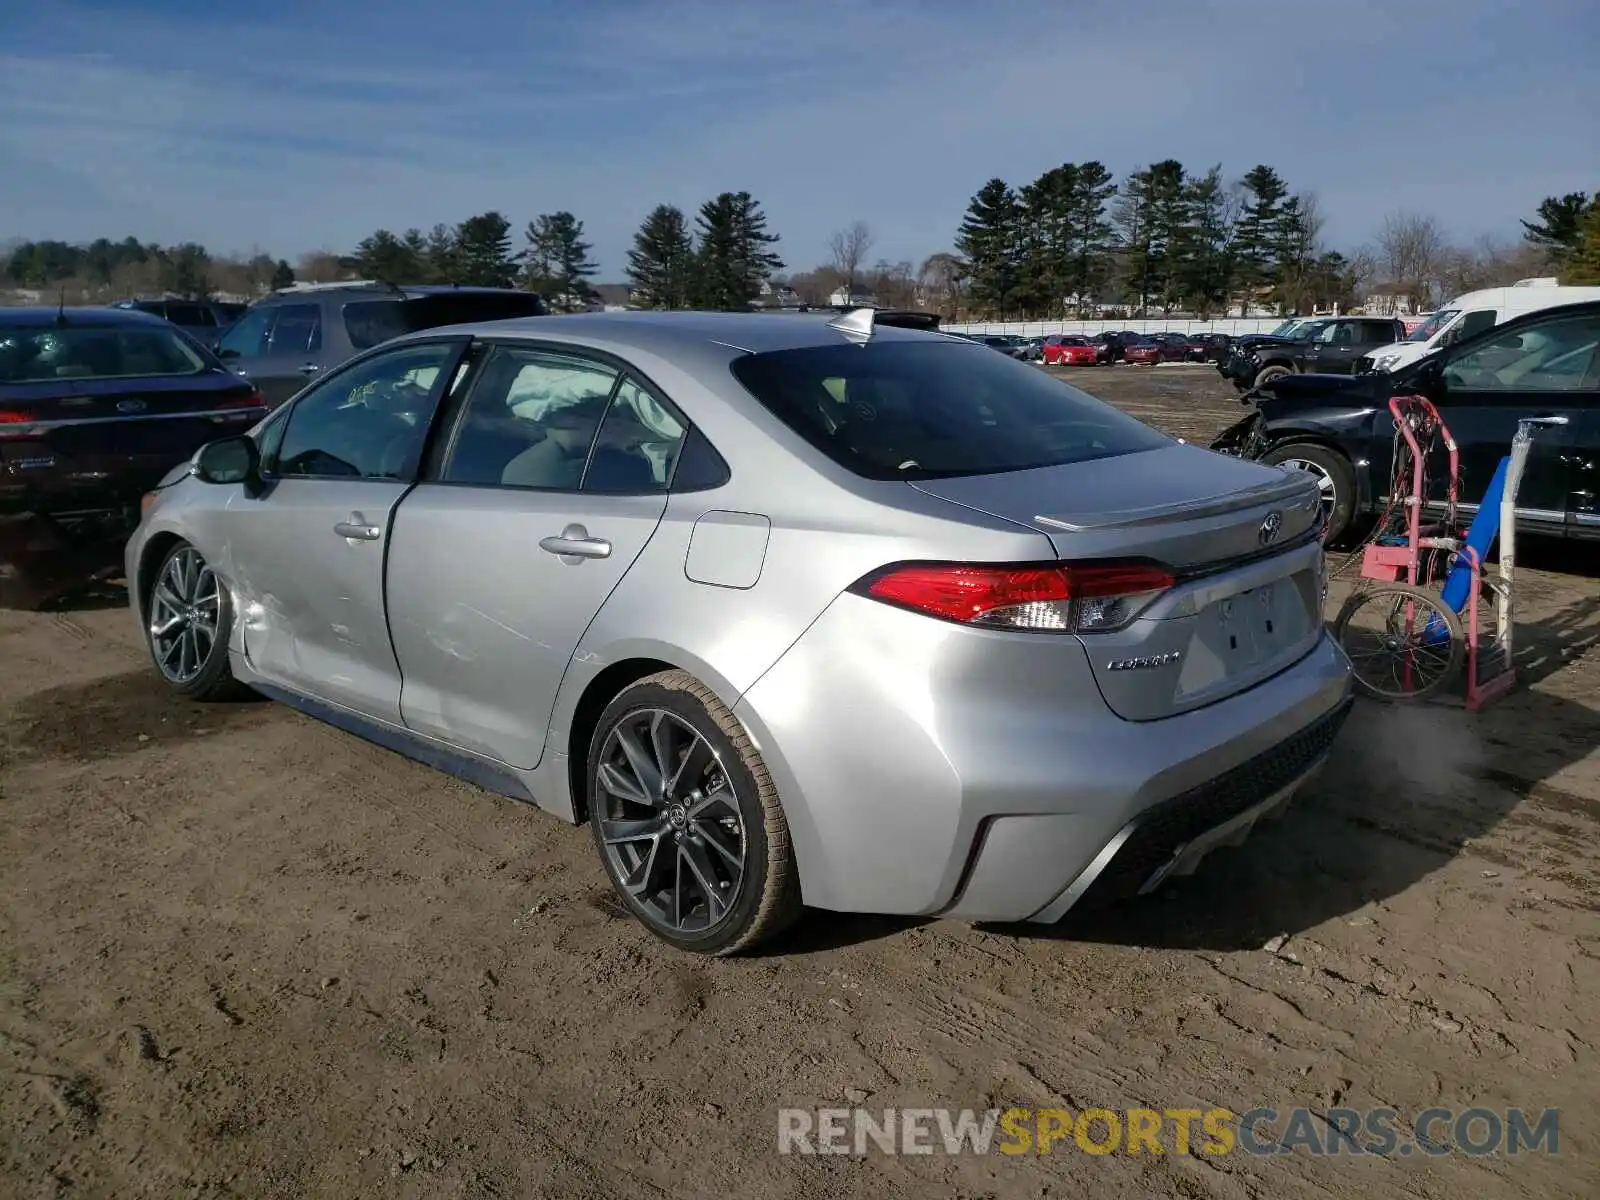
[1069, 350]
[1182, 347]
[1146, 351]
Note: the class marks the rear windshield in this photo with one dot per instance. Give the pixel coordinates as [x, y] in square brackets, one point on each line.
[930, 410]
[34, 355]
[369, 322]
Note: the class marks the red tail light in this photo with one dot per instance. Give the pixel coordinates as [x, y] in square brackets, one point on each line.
[13, 423]
[1065, 598]
[11, 417]
[250, 400]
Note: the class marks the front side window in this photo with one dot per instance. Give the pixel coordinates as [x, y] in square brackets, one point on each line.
[298, 329]
[530, 420]
[34, 355]
[927, 410]
[1475, 323]
[1558, 356]
[1433, 325]
[247, 337]
[368, 422]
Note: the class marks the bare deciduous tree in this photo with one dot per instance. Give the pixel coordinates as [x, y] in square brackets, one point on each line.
[848, 249]
[942, 281]
[320, 266]
[1412, 251]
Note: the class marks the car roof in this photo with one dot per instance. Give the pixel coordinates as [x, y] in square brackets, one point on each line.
[403, 291]
[42, 317]
[660, 332]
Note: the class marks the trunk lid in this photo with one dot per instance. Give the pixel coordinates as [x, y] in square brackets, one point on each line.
[76, 431]
[1240, 536]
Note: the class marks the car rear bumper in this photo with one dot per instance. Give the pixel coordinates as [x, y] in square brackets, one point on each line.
[930, 769]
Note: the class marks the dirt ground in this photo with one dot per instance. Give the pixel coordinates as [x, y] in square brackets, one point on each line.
[243, 954]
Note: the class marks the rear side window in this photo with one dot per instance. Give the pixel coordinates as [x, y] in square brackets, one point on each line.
[927, 410]
[189, 314]
[368, 322]
[86, 352]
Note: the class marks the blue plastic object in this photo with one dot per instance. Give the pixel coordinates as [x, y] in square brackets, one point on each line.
[1480, 536]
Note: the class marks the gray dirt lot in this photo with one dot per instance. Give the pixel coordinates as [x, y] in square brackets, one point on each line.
[243, 954]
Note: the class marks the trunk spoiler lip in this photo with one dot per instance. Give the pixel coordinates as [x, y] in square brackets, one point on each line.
[1302, 492]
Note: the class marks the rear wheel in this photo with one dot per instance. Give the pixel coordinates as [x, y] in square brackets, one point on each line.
[188, 618]
[1267, 374]
[1336, 480]
[687, 820]
[1403, 643]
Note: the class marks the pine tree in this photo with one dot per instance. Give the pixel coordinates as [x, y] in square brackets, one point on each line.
[1046, 240]
[383, 256]
[733, 259]
[990, 240]
[1134, 220]
[1204, 267]
[483, 251]
[661, 262]
[1294, 256]
[1089, 231]
[556, 261]
[416, 245]
[1558, 231]
[1258, 229]
[1583, 264]
[1168, 218]
[441, 255]
[282, 275]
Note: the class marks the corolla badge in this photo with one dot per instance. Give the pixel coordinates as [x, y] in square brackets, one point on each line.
[1146, 662]
[1271, 526]
[131, 406]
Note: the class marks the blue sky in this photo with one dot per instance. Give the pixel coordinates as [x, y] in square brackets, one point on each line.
[292, 126]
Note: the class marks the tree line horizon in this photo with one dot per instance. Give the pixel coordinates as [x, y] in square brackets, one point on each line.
[1072, 242]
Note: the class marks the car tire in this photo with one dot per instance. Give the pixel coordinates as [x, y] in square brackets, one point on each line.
[712, 810]
[1267, 374]
[1335, 477]
[183, 591]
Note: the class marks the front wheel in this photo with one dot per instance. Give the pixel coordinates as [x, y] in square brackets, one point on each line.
[1403, 643]
[687, 820]
[1267, 374]
[188, 618]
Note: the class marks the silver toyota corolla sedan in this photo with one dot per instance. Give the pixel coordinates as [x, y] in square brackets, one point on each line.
[790, 609]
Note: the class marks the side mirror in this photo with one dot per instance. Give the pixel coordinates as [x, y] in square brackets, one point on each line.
[230, 460]
[222, 353]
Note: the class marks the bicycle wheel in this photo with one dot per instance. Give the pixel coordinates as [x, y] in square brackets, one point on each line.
[1403, 643]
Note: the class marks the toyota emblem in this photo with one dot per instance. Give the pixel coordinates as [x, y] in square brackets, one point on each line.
[1271, 524]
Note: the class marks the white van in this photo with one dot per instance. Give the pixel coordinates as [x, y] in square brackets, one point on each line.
[1470, 314]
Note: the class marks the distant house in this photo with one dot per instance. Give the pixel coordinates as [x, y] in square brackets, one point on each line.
[777, 295]
[856, 297]
[1388, 300]
[612, 297]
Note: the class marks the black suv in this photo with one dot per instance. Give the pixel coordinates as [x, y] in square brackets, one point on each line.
[1325, 347]
[1544, 364]
[203, 319]
[283, 342]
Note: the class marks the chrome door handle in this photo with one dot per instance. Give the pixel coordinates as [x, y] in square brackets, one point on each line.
[309, 369]
[357, 529]
[574, 542]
